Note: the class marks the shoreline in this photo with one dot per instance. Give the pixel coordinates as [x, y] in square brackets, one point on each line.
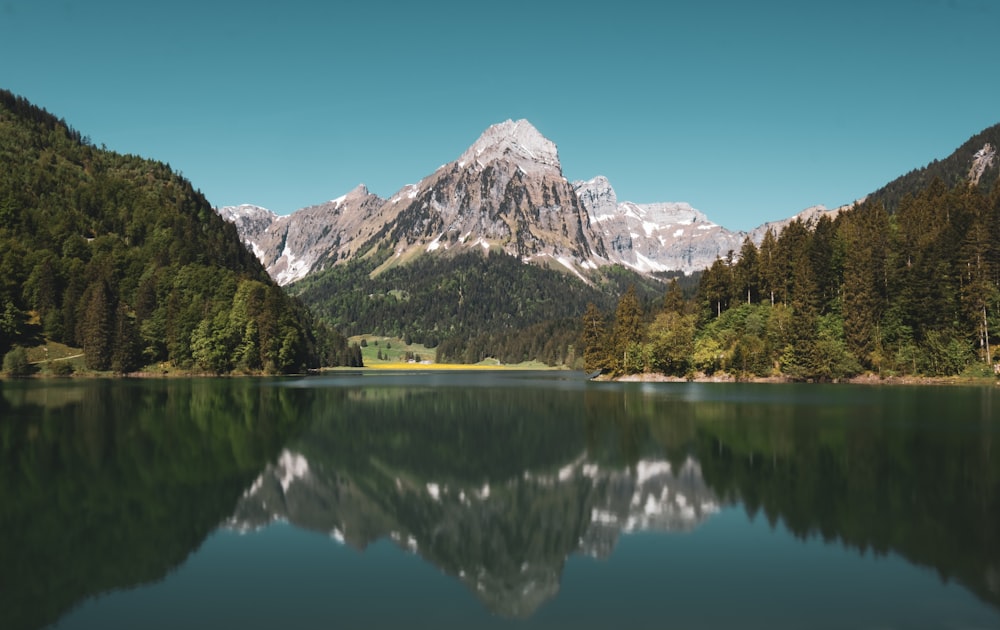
[649, 377]
[862, 379]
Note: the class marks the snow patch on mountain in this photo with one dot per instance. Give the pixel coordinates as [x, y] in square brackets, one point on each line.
[671, 236]
[505, 192]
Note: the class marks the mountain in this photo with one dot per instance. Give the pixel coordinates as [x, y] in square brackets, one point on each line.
[975, 161]
[653, 237]
[410, 266]
[310, 239]
[507, 193]
[809, 216]
[122, 257]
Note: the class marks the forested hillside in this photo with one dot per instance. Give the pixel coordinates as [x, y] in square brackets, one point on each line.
[468, 306]
[952, 171]
[122, 257]
[914, 292]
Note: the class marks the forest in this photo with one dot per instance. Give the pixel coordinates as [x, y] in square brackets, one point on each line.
[912, 292]
[468, 306]
[120, 256]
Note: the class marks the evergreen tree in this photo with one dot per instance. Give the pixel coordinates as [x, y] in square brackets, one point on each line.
[673, 301]
[979, 292]
[792, 255]
[715, 288]
[770, 270]
[97, 328]
[594, 338]
[126, 353]
[826, 260]
[746, 273]
[628, 334]
[671, 343]
[863, 232]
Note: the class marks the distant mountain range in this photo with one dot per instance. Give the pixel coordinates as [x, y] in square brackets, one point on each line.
[505, 192]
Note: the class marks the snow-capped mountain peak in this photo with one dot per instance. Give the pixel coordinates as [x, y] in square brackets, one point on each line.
[506, 191]
[517, 140]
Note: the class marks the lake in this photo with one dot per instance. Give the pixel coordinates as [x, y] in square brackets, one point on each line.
[496, 500]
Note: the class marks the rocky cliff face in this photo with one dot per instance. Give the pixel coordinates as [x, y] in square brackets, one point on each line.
[653, 237]
[251, 222]
[981, 161]
[319, 236]
[506, 192]
[506, 541]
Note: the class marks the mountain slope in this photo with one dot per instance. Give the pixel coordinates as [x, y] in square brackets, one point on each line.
[975, 161]
[474, 305]
[311, 239]
[124, 258]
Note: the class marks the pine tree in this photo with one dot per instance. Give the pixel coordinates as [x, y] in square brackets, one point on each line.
[746, 273]
[671, 343]
[715, 287]
[127, 349]
[863, 232]
[629, 331]
[673, 301]
[594, 338]
[979, 293]
[770, 273]
[97, 328]
[826, 263]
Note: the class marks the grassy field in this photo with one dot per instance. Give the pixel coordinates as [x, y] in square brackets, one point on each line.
[390, 353]
[56, 358]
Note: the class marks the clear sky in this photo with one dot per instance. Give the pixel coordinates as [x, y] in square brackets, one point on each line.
[749, 110]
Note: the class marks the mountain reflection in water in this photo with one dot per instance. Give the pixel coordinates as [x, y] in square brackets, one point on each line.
[507, 540]
[495, 479]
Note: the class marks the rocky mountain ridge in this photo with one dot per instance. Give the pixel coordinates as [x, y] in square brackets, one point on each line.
[653, 237]
[507, 192]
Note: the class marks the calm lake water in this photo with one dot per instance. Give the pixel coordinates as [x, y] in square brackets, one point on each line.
[481, 500]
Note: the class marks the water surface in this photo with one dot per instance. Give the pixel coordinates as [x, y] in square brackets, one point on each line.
[496, 500]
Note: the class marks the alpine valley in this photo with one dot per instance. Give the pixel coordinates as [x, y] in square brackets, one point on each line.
[116, 263]
[497, 254]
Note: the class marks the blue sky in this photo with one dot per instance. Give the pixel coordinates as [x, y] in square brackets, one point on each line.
[750, 111]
